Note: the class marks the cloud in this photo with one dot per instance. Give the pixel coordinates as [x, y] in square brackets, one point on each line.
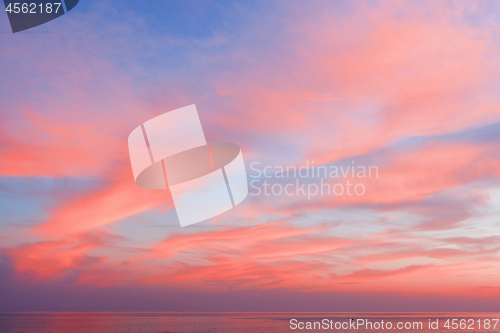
[329, 82]
[112, 202]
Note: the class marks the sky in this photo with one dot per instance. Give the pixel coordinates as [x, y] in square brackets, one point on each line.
[408, 87]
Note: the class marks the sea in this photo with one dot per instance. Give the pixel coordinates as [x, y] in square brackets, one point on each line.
[204, 322]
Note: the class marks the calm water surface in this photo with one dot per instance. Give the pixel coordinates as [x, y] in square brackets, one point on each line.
[142, 322]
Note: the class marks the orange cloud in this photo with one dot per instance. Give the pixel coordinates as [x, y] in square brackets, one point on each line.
[112, 202]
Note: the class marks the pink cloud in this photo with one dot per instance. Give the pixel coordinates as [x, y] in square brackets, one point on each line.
[112, 202]
[331, 88]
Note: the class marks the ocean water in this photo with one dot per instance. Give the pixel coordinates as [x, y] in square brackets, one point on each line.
[176, 322]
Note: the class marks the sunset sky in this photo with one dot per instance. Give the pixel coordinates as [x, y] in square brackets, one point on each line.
[411, 87]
